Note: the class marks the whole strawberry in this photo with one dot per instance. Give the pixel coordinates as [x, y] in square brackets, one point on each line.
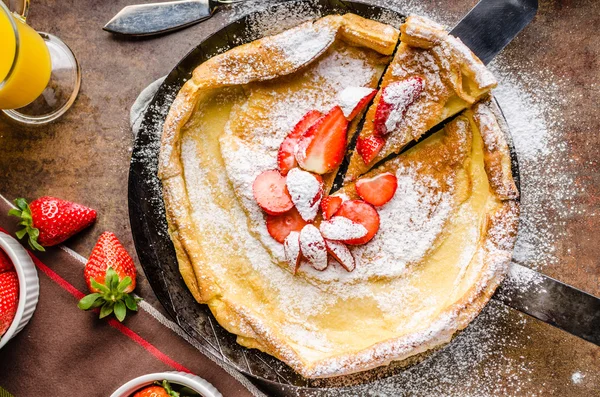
[49, 221]
[9, 299]
[157, 390]
[5, 263]
[110, 275]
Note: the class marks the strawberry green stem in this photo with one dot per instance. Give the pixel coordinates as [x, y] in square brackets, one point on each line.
[24, 213]
[110, 297]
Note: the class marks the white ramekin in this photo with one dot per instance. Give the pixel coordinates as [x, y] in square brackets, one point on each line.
[194, 382]
[29, 285]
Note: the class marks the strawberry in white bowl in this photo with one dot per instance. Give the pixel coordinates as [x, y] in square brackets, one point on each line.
[19, 288]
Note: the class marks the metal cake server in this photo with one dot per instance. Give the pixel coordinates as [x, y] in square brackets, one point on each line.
[156, 18]
[492, 24]
[552, 302]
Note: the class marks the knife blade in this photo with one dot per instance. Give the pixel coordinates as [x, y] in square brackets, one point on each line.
[492, 24]
[552, 302]
[156, 18]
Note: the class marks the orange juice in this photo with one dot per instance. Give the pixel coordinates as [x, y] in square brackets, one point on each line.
[24, 81]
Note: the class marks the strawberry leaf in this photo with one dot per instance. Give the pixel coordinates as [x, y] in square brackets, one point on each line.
[98, 303]
[120, 311]
[106, 309]
[21, 203]
[131, 303]
[167, 386]
[101, 287]
[112, 279]
[15, 212]
[24, 213]
[88, 301]
[126, 282]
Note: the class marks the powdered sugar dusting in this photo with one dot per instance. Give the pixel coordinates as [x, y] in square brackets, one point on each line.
[301, 45]
[341, 253]
[349, 98]
[313, 247]
[339, 228]
[529, 98]
[291, 247]
[306, 192]
[410, 225]
[400, 95]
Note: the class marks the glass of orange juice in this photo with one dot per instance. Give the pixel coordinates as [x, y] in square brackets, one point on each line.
[39, 75]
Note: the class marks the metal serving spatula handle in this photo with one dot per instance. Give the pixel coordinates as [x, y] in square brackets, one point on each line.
[156, 18]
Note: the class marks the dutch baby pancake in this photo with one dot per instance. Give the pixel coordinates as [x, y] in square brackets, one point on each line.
[394, 262]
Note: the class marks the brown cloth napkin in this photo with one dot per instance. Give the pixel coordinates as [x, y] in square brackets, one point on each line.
[64, 351]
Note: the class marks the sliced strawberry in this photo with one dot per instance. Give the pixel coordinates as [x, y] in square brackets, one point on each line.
[377, 190]
[352, 100]
[330, 205]
[342, 229]
[286, 159]
[280, 226]
[271, 193]
[5, 262]
[306, 190]
[369, 147]
[291, 248]
[360, 212]
[313, 247]
[395, 100]
[341, 253]
[322, 148]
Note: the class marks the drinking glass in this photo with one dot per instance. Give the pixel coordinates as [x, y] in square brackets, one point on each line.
[39, 75]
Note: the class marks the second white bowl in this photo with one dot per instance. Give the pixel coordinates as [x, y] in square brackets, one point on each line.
[194, 382]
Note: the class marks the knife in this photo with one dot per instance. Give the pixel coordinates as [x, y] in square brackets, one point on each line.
[552, 302]
[156, 18]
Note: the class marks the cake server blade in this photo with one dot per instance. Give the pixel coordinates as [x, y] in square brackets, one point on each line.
[156, 18]
[492, 24]
[552, 302]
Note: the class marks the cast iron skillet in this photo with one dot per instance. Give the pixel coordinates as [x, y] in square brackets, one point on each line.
[154, 247]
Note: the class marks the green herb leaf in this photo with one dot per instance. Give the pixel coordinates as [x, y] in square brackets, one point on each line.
[87, 301]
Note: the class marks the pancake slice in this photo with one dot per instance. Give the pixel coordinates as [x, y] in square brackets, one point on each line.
[449, 76]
